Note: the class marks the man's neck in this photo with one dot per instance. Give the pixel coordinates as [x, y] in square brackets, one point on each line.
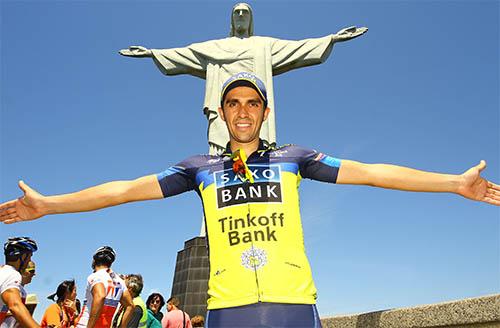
[16, 265]
[100, 267]
[248, 148]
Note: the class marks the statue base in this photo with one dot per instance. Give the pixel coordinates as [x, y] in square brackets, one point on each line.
[191, 277]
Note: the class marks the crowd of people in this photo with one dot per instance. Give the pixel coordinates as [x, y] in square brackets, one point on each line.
[111, 299]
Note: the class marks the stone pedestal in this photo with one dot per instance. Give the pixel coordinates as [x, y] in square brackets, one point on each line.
[191, 277]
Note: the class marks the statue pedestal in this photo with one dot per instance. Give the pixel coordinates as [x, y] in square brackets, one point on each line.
[191, 277]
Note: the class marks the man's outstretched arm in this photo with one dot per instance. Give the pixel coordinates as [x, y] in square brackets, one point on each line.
[33, 205]
[470, 184]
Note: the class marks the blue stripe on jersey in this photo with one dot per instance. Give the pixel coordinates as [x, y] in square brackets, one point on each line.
[206, 177]
[169, 171]
[111, 302]
[289, 167]
[330, 161]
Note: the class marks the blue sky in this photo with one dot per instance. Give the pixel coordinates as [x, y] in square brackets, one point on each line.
[420, 89]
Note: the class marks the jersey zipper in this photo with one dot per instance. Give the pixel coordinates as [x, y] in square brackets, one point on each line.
[254, 264]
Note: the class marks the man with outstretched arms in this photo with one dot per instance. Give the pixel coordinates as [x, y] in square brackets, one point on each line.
[17, 253]
[259, 273]
[105, 290]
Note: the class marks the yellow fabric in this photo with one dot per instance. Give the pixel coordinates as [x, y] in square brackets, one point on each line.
[260, 244]
[144, 319]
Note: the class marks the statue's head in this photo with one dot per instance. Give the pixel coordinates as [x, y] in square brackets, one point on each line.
[241, 21]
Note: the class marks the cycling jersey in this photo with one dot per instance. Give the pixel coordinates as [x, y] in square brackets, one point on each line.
[254, 230]
[114, 287]
[9, 278]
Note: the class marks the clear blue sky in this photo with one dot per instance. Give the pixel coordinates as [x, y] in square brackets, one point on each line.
[420, 89]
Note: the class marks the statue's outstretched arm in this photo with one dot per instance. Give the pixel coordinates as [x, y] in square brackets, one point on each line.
[349, 33]
[136, 51]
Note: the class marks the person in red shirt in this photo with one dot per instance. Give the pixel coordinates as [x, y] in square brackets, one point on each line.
[175, 317]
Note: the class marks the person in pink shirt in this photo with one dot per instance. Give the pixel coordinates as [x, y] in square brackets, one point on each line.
[175, 318]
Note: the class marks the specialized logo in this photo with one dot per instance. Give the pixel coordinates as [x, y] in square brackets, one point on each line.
[231, 190]
[254, 258]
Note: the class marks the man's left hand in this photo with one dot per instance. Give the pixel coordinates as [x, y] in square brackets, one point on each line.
[475, 187]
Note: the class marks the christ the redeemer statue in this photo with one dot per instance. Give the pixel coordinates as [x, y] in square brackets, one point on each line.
[217, 60]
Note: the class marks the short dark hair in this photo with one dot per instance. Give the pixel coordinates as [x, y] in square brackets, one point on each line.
[13, 258]
[102, 262]
[174, 301]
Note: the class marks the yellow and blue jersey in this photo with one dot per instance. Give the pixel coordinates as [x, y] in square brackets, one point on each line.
[254, 230]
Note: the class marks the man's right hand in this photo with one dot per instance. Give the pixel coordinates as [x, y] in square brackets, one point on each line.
[26, 208]
[136, 51]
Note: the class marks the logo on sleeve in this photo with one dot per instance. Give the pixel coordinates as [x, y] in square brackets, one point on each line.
[231, 190]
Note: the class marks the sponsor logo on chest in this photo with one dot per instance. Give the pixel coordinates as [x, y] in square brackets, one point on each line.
[231, 190]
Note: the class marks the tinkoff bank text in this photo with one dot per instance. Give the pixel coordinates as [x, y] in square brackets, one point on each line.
[267, 225]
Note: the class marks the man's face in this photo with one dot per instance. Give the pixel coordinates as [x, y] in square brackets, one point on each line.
[29, 272]
[241, 18]
[243, 113]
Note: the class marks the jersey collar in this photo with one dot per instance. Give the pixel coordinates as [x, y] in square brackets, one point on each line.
[262, 148]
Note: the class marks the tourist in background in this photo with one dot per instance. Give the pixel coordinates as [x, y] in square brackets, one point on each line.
[175, 317]
[139, 316]
[63, 312]
[198, 321]
[154, 303]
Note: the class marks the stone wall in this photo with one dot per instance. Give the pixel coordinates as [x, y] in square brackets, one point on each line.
[480, 312]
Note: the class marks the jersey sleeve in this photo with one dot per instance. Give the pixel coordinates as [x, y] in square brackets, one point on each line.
[95, 279]
[12, 281]
[318, 166]
[177, 179]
